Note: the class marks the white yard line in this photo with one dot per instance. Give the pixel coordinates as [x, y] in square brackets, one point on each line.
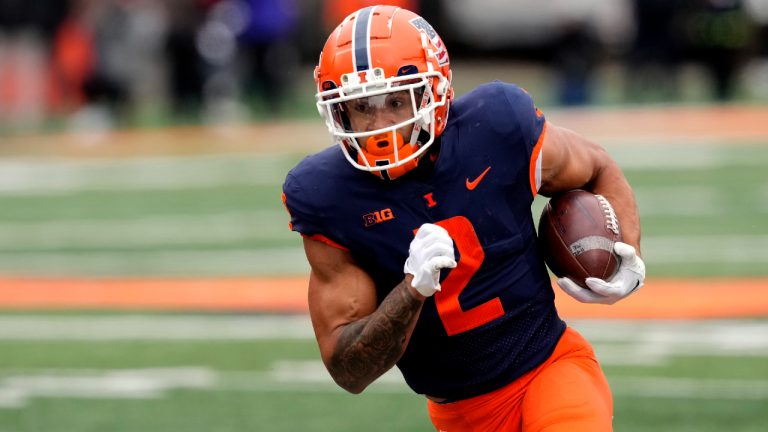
[657, 340]
[688, 388]
[660, 339]
[197, 258]
[154, 327]
[159, 230]
[59, 175]
[671, 201]
[27, 176]
[17, 388]
[667, 155]
[735, 249]
[218, 228]
[228, 262]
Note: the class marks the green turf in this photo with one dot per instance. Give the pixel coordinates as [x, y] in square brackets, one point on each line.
[225, 412]
[633, 414]
[139, 203]
[222, 216]
[118, 217]
[248, 394]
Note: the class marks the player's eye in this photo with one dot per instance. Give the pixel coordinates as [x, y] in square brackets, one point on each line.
[396, 103]
[361, 107]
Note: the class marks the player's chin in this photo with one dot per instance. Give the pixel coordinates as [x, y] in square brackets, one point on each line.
[406, 132]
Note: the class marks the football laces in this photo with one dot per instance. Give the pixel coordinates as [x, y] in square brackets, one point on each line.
[611, 221]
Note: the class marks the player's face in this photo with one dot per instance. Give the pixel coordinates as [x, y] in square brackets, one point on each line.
[376, 112]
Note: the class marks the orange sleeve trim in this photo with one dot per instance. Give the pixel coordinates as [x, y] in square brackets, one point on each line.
[323, 239]
[534, 170]
[285, 204]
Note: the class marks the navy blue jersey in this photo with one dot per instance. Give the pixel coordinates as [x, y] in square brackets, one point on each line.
[495, 317]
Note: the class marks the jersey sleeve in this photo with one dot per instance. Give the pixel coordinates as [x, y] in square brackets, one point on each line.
[531, 127]
[299, 207]
[304, 214]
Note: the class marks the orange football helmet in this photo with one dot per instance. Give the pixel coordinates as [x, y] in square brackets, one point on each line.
[384, 58]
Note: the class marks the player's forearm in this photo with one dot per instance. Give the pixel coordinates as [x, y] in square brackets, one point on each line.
[369, 347]
[611, 183]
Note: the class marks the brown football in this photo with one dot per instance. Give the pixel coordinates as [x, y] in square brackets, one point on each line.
[577, 230]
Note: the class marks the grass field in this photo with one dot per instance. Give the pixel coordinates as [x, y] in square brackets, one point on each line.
[129, 372]
[87, 211]
[703, 209]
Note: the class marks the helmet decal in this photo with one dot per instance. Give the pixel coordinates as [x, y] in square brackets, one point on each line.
[442, 53]
[361, 53]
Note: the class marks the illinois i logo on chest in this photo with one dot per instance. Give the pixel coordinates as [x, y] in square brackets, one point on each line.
[373, 218]
[430, 200]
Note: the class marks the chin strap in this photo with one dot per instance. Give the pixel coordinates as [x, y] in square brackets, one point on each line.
[380, 150]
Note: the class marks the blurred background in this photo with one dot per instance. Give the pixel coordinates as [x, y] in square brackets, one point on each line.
[149, 282]
[83, 64]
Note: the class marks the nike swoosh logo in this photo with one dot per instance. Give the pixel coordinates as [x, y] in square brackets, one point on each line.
[471, 185]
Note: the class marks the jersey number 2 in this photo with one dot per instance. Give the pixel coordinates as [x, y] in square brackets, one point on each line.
[455, 319]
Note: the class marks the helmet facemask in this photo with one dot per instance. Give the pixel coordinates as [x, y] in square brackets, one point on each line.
[350, 111]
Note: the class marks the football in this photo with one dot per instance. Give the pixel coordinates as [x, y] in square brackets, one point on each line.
[577, 230]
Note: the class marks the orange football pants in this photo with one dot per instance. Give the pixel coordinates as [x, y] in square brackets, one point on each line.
[566, 393]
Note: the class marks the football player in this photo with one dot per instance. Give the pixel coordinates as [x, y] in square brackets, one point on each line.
[418, 230]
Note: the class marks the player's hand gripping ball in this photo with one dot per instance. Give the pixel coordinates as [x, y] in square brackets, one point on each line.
[430, 251]
[580, 238]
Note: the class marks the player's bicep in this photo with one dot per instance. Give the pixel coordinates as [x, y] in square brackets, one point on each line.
[568, 161]
[340, 292]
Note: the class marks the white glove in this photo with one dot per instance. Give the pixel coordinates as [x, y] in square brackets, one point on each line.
[628, 279]
[430, 251]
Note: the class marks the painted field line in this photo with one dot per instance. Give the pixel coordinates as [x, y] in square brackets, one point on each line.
[669, 154]
[189, 250]
[689, 201]
[158, 230]
[168, 263]
[295, 135]
[719, 248]
[617, 342]
[679, 299]
[660, 298]
[640, 387]
[727, 123]
[21, 176]
[16, 390]
[112, 328]
[218, 228]
[312, 376]
[245, 294]
[688, 388]
[657, 123]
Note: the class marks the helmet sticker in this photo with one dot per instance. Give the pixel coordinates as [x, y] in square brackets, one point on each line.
[442, 53]
[362, 37]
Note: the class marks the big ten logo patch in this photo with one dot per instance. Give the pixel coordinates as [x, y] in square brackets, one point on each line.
[370, 219]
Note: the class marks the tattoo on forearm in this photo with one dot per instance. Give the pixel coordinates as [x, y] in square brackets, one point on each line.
[369, 347]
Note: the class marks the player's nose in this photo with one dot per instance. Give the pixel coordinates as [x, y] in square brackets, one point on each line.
[381, 120]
